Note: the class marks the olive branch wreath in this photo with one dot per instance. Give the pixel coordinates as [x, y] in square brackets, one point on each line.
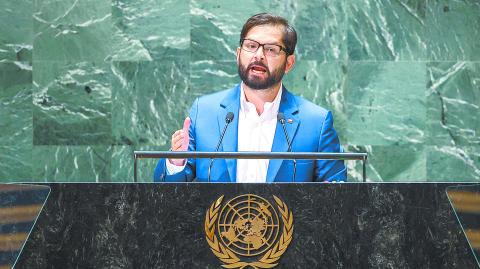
[269, 259]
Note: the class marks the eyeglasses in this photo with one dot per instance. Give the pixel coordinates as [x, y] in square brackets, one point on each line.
[271, 50]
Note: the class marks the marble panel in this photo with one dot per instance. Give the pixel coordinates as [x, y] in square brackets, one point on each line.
[215, 27]
[160, 28]
[385, 103]
[449, 163]
[395, 163]
[453, 30]
[72, 30]
[211, 76]
[122, 164]
[16, 163]
[15, 121]
[387, 30]
[72, 103]
[71, 163]
[16, 30]
[15, 103]
[320, 25]
[453, 103]
[150, 101]
[322, 84]
[124, 48]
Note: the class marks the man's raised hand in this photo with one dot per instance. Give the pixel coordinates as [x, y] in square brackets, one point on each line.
[180, 140]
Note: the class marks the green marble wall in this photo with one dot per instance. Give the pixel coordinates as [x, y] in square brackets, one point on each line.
[83, 83]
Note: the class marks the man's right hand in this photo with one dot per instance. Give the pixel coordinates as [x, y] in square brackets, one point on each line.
[180, 140]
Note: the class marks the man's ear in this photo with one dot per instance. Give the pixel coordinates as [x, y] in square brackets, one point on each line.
[290, 63]
[238, 54]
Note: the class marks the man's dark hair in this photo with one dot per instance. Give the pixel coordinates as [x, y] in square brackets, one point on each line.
[289, 33]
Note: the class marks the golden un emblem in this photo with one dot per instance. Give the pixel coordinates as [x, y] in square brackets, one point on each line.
[247, 231]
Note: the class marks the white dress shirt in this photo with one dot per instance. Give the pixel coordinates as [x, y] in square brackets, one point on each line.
[255, 133]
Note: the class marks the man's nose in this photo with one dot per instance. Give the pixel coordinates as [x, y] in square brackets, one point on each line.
[259, 53]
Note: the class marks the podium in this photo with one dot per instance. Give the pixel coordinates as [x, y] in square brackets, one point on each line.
[191, 225]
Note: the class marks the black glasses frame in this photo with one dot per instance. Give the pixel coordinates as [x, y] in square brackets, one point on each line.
[261, 45]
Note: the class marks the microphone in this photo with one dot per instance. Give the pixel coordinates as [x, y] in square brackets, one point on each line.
[281, 119]
[228, 120]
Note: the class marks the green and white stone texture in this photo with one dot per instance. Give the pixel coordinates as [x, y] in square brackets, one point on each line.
[84, 83]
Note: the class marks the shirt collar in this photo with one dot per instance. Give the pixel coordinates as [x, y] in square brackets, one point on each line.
[270, 109]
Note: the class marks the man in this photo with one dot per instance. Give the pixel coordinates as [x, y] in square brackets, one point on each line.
[266, 53]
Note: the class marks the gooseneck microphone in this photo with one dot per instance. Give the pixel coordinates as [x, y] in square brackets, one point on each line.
[281, 119]
[228, 120]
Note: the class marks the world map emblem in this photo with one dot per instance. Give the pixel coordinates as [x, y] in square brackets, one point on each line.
[248, 231]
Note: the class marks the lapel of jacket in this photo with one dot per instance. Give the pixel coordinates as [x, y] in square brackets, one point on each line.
[231, 103]
[289, 108]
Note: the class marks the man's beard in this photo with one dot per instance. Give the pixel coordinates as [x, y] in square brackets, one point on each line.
[257, 83]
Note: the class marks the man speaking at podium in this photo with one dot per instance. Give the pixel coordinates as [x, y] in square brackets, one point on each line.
[259, 114]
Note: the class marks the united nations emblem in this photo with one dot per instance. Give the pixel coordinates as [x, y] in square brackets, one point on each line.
[247, 232]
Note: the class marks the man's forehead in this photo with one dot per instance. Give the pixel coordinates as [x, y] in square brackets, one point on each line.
[266, 33]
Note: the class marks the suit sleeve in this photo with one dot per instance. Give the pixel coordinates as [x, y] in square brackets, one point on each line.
[329, 170]
[188, 174]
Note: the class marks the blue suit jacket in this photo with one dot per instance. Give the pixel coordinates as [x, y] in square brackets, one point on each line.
[310, 131]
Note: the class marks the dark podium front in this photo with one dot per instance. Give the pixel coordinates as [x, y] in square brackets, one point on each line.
[343, 225]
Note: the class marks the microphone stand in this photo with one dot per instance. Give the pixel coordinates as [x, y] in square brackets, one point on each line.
[228, 120]
[281, 119]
